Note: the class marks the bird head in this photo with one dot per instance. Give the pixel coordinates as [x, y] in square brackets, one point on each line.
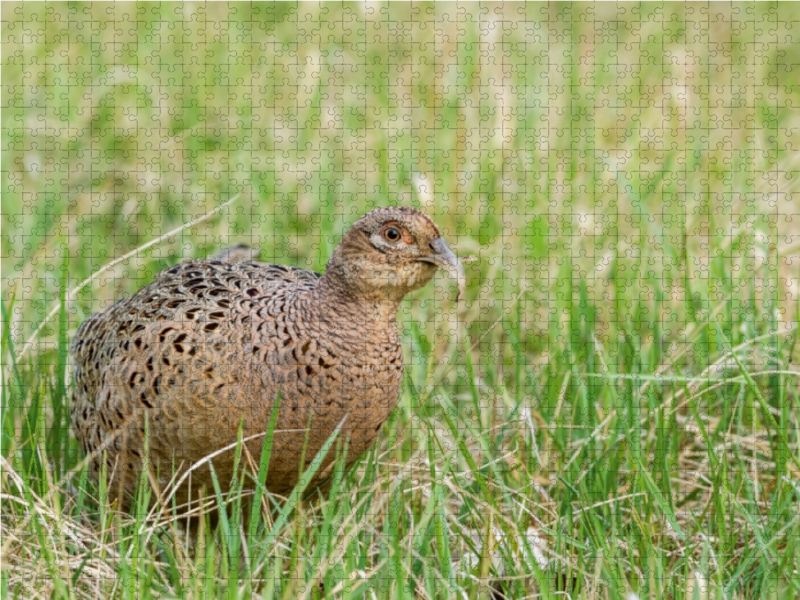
[390, 252]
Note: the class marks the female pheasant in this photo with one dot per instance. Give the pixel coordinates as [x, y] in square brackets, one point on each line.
[210, 343]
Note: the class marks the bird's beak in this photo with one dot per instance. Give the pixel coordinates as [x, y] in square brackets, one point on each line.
[448, 261]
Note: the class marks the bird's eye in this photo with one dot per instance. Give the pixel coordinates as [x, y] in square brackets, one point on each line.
[391, 234]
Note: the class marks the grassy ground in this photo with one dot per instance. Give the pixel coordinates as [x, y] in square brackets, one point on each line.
[614, 408]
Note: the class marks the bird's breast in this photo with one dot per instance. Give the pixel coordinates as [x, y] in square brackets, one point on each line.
[323, 369]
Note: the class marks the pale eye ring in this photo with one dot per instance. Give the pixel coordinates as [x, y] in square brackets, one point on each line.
[391, 234]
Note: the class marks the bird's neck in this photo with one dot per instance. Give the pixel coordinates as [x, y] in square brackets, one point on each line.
[332, 295]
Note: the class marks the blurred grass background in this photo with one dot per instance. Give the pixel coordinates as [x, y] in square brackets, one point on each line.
[626, 175]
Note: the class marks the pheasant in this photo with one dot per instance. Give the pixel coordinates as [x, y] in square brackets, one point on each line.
[210, 344]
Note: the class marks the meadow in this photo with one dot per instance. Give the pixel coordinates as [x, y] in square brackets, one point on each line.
[610, 412]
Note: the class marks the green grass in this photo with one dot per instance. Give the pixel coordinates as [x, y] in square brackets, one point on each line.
[614, 407]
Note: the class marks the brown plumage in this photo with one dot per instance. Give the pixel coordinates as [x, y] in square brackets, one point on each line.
[210, 343]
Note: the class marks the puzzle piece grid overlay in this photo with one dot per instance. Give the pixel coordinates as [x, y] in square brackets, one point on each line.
[577, 151]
